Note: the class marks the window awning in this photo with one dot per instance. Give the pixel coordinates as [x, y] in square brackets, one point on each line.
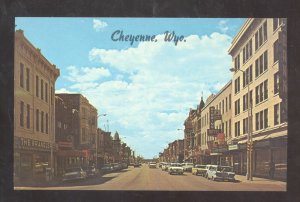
[265, 137]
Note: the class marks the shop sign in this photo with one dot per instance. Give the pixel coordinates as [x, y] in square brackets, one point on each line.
[26, 143]
[233, 147]
[65, 145]
[217, 115]
[211, 117]
[213, 132]
[219, 149]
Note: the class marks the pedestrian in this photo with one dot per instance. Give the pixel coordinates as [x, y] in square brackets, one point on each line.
[272, 170]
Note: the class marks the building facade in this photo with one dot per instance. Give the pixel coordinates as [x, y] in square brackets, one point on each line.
[259, 58]
[84, 126]
[216, 118]
[34, 112]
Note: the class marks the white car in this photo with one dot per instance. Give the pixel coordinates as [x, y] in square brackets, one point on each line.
[216, 172]
[188, 166]
[152, 165]
[74, 174]
[175, 168]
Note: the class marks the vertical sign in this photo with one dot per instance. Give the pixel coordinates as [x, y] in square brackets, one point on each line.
[211, 117]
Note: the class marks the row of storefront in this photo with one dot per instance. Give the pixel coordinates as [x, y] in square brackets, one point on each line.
[265, 151]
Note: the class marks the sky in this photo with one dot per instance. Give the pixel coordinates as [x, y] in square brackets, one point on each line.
[145, 88]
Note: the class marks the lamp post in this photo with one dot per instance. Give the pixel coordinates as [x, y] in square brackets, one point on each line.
[97, 143]
[249, 136]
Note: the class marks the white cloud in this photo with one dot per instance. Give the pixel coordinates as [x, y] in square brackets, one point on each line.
[64, 90]
[86, 74]
[99, 25]
[165, 82]
[222, 25]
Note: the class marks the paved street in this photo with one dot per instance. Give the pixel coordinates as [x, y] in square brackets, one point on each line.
[145, 178]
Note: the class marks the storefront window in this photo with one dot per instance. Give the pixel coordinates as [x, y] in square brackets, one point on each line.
[279, 157]
[41, 163]
[26, 165]
[262, 160]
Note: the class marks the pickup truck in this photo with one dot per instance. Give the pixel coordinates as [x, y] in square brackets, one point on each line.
[199, 170]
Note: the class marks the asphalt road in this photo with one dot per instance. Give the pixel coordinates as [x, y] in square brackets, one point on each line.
[145, 178]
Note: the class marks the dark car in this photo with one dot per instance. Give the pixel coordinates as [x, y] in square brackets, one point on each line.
[136, 165]
[90, 171]
[107, 168]
[117, 166]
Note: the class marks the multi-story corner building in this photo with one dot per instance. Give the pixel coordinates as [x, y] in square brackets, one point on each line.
[216, 118]
[189, 137]
[66, 120]
[34, 111]
[85, 129]
[259, 57]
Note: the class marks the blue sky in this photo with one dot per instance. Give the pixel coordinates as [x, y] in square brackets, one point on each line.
[146, 89]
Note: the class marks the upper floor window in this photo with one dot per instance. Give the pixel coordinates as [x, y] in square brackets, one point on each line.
[22, 75]
[22, 113]
[261, 119]
[237, 85]
[276, 83]
[237, 128]
[27, 78]
[237, 107]
[37, 123]
[276, 114]
[237, 62]
[261, 92]
[247, 51]
[276, 51]
[28, 116]
[261, 35]
[46, 92]
[42, 89]
[37, 85]
[261, 64]
[247, 76]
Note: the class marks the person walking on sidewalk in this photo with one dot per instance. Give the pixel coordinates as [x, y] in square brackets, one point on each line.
[272, 170]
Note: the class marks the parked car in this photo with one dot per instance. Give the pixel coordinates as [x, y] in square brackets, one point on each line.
[107, 168]
[164, 166]
[90, 171]
[117, 166]
[124, 165]
[136, 165]
[199, 170]
[216, 172]
[175, 168]
[152, 165]
[76, 173]
[187, 167]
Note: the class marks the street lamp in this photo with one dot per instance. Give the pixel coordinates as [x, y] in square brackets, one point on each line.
[249, 136]
[97, 142]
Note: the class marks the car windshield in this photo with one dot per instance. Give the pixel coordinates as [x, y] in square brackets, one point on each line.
[189, 164]
[70, 170]
[106, 165]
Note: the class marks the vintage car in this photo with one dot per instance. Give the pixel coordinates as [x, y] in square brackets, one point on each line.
[76, 173]
[152, 165]
[165, 166]
[199, 170]
[117, 166]
[90, 171]
[187, 167]
[136, 165]
[175, 168]
[216, 172]
[107, 168]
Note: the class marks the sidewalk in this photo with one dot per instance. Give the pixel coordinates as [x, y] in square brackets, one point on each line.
[257, 180]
